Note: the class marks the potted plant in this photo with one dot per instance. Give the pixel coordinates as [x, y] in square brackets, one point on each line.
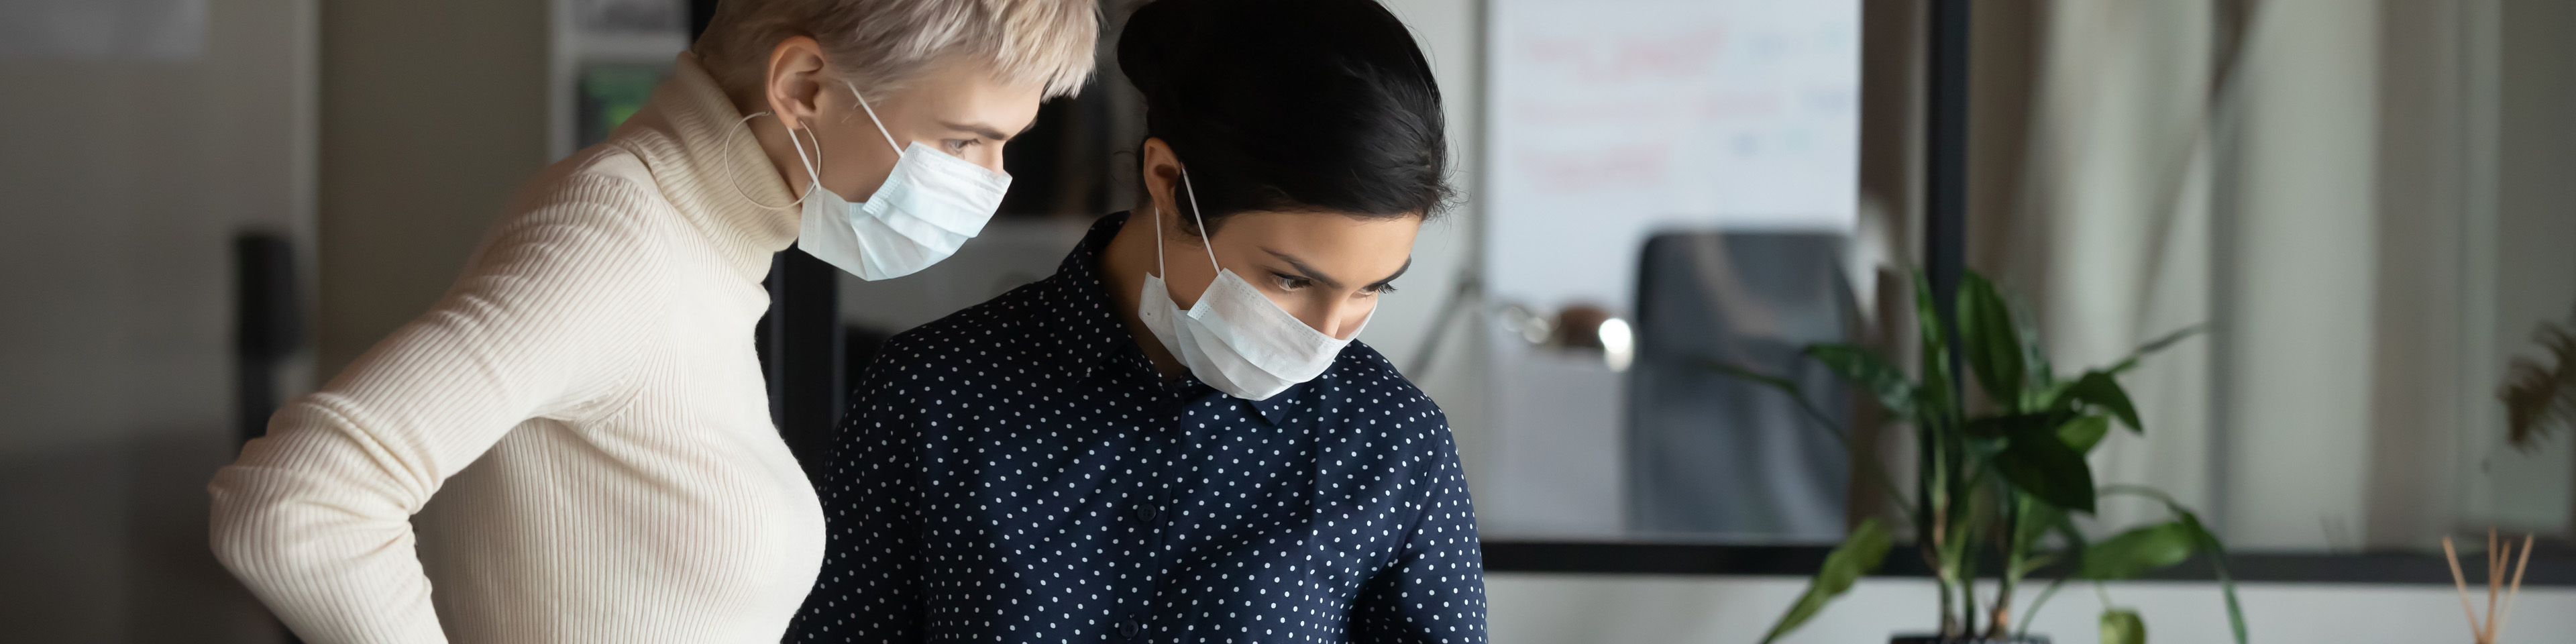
[1999, 478]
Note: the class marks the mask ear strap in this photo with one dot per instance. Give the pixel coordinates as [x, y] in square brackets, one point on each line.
[800, 153]
[814, 166]
[872, 118]
[1159, 268]
[1206, 240]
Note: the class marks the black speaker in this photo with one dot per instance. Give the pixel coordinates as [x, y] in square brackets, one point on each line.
[267, 325]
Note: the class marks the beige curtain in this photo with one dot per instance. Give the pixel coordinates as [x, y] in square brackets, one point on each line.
[2363, 199]
[2207, 161]
[2101, 217]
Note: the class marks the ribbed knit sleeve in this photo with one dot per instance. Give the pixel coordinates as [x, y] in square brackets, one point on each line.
[548, 319]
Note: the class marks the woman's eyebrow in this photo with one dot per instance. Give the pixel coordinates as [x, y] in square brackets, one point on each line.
[1399, 272]
[985, 130]
[1308, 272]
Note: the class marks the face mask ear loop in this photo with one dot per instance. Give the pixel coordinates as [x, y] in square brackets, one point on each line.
[737, 183]
[872, 118]
[1207, 240]
[814, 166]
[1159, 268]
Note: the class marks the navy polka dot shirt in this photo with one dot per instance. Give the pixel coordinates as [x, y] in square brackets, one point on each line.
[1018, 472]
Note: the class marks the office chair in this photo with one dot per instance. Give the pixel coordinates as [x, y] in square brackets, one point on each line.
[1716, 456]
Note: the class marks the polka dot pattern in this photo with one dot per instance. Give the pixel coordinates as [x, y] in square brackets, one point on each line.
[1018, 472]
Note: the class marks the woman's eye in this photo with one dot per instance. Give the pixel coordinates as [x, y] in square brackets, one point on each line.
[1380, 289]
[959, 145]
[1292, 282]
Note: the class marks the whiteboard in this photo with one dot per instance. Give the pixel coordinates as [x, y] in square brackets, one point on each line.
[1610, 120]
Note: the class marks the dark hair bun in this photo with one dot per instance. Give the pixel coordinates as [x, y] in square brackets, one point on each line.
[1147, 46]
[1290, 105]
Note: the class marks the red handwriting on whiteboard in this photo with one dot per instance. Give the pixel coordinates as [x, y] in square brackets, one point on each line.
[1685, 54]
[1594, 168]
[1699, 105]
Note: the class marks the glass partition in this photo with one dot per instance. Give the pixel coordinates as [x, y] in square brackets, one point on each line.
[2361, 207]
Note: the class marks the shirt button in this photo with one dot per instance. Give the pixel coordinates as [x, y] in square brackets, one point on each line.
[1146, 513]
[1129, 628]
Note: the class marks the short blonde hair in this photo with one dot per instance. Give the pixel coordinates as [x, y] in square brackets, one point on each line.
[883, 43]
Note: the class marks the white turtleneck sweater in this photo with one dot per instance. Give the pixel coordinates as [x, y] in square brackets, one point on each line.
[574, 445]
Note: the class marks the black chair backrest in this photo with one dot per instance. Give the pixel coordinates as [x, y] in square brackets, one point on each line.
[1715, 456]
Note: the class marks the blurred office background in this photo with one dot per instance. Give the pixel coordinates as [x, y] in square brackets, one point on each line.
[206, 205]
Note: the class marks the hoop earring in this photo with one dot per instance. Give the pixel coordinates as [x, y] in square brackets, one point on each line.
[800, 154]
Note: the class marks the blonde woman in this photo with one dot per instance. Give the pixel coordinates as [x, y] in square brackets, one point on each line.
[574, 445]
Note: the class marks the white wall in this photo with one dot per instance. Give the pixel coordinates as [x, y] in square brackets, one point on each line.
[1641, 609]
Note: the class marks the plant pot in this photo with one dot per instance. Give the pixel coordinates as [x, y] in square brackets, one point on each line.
[1936, 639]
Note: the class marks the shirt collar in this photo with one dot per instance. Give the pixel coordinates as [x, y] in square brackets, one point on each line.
[1081, 325]
[1086, 334]
[1276, 408]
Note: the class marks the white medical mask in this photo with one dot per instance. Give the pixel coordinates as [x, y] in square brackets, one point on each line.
[1234, 339]
[929, 205]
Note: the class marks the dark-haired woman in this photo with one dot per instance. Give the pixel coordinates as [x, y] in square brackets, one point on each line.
[1174, 438]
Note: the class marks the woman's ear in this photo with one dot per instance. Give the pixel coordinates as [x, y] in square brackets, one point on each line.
[795, 82]
[1162, 172]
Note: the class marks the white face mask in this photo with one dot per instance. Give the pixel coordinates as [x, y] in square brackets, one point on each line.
[929, 205]
[1234, 339]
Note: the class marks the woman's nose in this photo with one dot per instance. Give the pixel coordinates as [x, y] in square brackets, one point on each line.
[992, 158]
[1341, 319]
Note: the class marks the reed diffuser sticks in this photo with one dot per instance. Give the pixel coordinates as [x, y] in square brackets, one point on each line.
[2500, 595]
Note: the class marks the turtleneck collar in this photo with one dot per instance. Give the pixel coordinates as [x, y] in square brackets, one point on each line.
[705, 160]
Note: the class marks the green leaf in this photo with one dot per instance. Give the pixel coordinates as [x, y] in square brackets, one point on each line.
[1783, 385]
[2082, 434]
[1927, 318]
[2033, 352]
[2099, 389]
[2141, 550]
[2035, 562]
[1936, 402]
[2034, 523]
[2040, 464]
[2203, 541]
[2053, 395]
[1992, 427]
[2123, 627]
[1867, 371]
[1859, 554]
[1871, 469]
[1993, 340]
[2207, 543]
[2075, 547]
[2201, 538]
[2076, 544]
[2153, 346]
